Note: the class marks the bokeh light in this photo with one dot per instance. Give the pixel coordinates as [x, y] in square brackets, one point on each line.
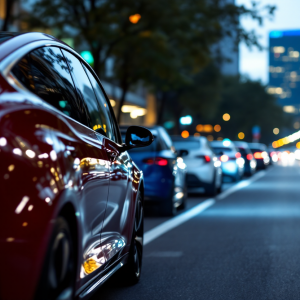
[241, 135]
[197, 134]
[134, 18]
[226, 117]
[217, 128]
[275, 130]
[199, 127]
[185, 134]
[210, 138]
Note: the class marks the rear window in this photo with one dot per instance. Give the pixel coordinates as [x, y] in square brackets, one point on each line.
[186, 145]
[218, 150]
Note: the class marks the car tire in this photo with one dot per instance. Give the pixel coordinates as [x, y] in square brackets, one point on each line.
[58, 275]
[130, 274]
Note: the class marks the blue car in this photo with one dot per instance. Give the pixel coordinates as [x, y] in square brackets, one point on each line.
[164, 172]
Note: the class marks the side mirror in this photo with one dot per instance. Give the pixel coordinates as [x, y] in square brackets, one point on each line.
[137, 136]
[183, 153]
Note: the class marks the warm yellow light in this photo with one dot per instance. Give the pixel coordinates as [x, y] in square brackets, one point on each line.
[275, 144]
[90, 266]
[298, 145]
[296, 125]
[199, 127]
[112, 102]
[134, 18]
[185, 134]
[217, 128]
[210, 138]
[197, 134]
[208, 128]
[241, 135]
[226, 117]
[219, 139]
[275, 130]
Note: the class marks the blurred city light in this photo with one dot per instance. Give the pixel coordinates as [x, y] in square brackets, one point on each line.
[275, 130]
[196, 134]
[286, 140]
[296, 125]
[298, 145]
[210, 138]
[217, 128]
[134, 18]
[226, 117]
[187, 120]
[241, 135]
[226, 142]
[87, 56]
[112, 102]
[208, 128]
[199, 127]
[224, 158]
[185, 134]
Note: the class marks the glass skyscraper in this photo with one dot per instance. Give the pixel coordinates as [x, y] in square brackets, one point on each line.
[284, 69]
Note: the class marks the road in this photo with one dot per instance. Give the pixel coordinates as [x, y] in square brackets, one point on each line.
[245, 245]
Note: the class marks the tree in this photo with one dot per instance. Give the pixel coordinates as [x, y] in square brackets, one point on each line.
[185, 30]
[248, 104]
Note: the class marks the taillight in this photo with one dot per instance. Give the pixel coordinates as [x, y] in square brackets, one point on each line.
[238, 154]
[207, 158]
[224, 158]
[272, 153]
[257, 155]
[249, 156]
[158, 161]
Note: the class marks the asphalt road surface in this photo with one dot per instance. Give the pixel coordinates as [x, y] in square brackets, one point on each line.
[244, 244]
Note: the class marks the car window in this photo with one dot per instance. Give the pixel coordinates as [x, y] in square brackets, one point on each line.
[86, 94]
[218, 150]
[103, 107]
[165, 139]
[186, 145]
[243, 151]
[45, 73]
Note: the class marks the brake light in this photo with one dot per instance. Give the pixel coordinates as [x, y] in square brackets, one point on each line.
[238, 154]
[257, 155]
[272, 153]
[207, 158]
[249, 156]
[224, 158]
[158, 161]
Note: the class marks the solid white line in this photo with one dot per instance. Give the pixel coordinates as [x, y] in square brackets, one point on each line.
[240, 185]
[176, 221]
[159, 230]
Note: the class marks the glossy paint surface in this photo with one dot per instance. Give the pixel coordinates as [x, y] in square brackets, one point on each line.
[51, 163]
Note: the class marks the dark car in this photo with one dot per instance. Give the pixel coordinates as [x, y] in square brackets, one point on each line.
[164, 172]
[71, 197]
[260, 154]
[250, 161]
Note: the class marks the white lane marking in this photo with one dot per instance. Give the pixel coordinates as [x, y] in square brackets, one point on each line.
[159, 230]
[240, 185]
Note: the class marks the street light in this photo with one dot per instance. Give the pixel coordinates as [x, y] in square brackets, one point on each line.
[187, 120]
[185, 134]
[241, 135]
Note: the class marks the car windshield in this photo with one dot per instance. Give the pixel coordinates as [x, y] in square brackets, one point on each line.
[187, 145]
[256, 150]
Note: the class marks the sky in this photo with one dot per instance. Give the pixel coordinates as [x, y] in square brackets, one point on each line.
[254, 63]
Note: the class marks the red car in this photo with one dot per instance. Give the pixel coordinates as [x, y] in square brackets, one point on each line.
[71, 197]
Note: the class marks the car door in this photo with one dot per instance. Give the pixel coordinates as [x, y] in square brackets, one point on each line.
[117, 223]
[85, 167]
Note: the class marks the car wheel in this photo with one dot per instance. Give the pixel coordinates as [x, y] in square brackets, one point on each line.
[58, 275]
[131, 272]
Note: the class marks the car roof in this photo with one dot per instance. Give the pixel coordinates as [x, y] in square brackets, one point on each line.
[257, 145]
[12, 41]
[241, 144]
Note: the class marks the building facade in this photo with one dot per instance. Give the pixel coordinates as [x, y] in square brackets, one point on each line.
[284, 69]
